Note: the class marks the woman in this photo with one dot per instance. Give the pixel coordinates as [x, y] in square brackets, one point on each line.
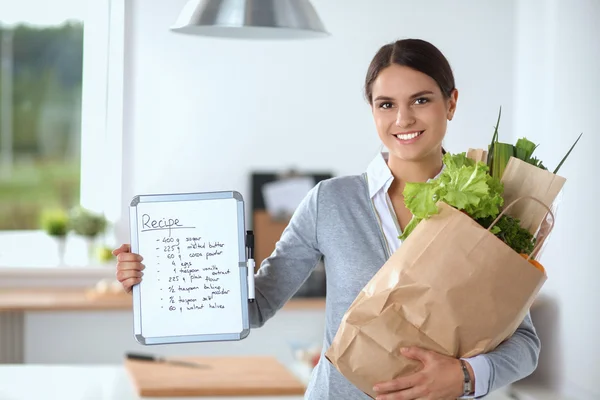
[353, 223]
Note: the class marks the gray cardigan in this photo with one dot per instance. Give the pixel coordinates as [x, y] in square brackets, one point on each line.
[336, 222]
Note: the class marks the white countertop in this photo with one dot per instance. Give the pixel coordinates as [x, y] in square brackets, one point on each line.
[80, 382]
[98, 382]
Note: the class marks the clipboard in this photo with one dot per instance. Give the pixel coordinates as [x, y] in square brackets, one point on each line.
[199, 267]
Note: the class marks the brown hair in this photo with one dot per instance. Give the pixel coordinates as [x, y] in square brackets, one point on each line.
[417, 54]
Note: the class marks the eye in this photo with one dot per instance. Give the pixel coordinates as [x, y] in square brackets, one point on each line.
[422, 100]
[385, 105]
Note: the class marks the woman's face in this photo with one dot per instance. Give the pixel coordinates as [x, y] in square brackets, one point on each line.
[410, 112]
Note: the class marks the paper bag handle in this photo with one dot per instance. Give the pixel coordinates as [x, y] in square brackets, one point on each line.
[512, 204]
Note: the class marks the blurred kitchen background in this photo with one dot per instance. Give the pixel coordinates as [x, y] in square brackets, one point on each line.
[99, 102]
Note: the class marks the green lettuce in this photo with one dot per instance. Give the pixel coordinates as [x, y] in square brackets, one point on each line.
[463, 184]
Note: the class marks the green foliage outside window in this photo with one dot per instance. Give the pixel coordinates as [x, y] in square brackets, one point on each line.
[46, 123]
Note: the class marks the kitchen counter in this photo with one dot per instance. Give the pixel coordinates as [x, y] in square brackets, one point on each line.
[66, 299]
[76, 382]
[21, 308]
[97, 382]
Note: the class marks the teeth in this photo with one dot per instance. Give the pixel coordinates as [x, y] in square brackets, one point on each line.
[408, 136]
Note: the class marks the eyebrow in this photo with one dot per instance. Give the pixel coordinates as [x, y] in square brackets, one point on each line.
[418, 94]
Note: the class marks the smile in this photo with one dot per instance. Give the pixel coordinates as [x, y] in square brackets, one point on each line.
[409, 135]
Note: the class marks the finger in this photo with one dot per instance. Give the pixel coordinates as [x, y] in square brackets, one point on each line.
[415, 393]
[125, 248]
[123, 275]
[129, 257]
[417, 353]
[130, 265]
[397, 384]
[129, 283]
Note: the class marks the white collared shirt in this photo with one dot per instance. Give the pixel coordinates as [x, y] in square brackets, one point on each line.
[380, 179]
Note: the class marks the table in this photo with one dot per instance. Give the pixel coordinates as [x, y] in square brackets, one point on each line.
[77, 382]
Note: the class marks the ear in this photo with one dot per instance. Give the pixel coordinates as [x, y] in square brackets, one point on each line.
[452, 104]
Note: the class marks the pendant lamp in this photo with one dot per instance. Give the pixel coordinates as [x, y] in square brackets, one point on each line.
[250, 19]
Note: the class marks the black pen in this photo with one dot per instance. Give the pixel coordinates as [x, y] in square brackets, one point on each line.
[250, 263]
[148, 357]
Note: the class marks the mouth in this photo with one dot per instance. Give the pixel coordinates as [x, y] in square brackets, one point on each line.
[408, 137]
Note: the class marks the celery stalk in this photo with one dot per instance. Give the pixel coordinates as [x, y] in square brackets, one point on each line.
[499, 153]
[502, 154]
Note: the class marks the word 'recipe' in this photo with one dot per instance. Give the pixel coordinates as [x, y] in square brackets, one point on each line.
[149, 224]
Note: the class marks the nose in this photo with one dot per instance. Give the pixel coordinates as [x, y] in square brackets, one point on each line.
[404, 118]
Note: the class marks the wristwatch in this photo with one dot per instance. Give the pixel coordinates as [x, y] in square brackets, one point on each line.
[467, 383]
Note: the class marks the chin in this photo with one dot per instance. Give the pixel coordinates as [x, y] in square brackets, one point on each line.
[416, 151]
[411, 154]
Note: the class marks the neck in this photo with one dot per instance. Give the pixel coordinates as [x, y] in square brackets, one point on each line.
[413, 171]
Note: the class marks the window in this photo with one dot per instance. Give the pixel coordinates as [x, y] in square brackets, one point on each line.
[60, 121]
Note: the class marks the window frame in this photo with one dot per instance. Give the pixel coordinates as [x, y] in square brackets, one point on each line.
[102, 89]
[101, 123]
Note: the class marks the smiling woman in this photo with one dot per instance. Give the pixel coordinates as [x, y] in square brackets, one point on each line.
[352, 224]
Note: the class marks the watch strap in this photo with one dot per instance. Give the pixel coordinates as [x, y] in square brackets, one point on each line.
[467, 384]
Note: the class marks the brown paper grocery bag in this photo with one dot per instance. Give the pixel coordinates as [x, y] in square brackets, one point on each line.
[477, 155]
[520, 179]
[452, 287]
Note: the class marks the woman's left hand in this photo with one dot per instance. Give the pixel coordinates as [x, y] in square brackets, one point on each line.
[441, 378]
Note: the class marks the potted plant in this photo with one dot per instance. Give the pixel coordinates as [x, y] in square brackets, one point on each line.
[87, 224]
[55, 222]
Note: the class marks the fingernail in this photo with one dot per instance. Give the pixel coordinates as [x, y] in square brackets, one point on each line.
[141, 258]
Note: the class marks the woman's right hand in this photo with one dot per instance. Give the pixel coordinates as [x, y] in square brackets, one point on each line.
[129, 267]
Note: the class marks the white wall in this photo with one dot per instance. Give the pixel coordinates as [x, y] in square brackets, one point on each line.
[202, 113]
[557, 95]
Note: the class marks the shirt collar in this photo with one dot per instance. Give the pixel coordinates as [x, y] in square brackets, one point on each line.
[379, 175]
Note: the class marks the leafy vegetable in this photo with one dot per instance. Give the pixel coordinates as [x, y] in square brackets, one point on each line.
[509, 230]
[567, 155]
[463, 184]
[476, 189]
[524, 148]
[466, 186]
[499, 154]
[523, 151]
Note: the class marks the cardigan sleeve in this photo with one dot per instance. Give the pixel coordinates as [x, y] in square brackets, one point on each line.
[295, 256]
